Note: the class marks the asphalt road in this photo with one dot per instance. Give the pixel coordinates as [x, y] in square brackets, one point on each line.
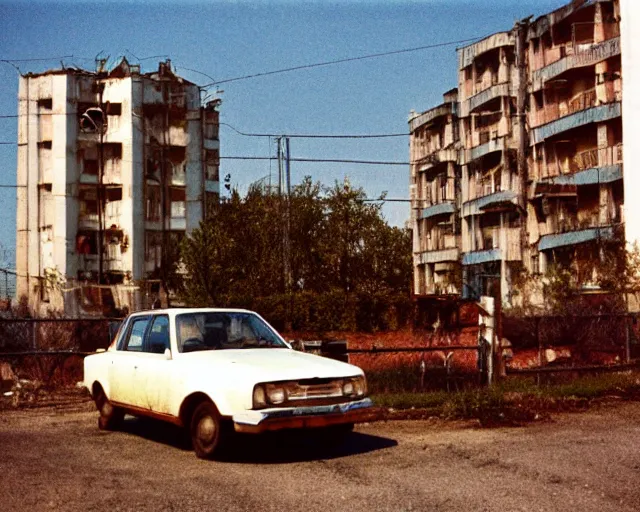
[53, 460]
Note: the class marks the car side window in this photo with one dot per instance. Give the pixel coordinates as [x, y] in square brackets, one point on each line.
[135, 339]
[158, 338]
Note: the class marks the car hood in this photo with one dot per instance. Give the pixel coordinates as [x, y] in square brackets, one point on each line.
[269, 364]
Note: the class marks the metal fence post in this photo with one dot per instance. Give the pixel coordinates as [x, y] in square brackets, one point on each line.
[627, 338]
[34, 335]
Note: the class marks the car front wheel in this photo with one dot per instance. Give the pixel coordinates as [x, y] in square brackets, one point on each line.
[110, 416]
[208, 432]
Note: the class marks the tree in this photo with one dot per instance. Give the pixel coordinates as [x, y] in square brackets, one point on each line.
[208, 255]
[343, 256]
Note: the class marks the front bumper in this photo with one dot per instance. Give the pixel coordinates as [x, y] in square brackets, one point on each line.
[255, 422]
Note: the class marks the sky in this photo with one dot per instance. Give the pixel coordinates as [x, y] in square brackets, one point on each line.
[221, 40]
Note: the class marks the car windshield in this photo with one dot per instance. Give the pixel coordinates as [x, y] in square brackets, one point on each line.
[223, 330]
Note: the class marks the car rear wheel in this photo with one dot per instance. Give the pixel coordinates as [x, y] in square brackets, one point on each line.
[209, 434]
[110, 415]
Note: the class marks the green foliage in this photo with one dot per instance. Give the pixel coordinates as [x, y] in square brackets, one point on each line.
[515, 399]
[348, 268]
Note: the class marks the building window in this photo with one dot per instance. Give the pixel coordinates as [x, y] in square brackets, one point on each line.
[212, 124]
[153, 247]
[154, 202]
[535, 264]
[213, 165]
[178, 202]
[113, 109]
[87, 242]
[45, 104]
[88, 199]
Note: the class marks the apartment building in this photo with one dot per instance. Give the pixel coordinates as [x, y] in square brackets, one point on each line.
[435, 174]
[575, 135]
[540, 151]
[491, 218]
[114, 167]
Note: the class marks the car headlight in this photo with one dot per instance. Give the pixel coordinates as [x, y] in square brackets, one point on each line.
[259, 397]
[276, 394]
[348, 388]
[356, 387]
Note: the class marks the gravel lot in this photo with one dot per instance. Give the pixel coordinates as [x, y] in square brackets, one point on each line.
[58, 460]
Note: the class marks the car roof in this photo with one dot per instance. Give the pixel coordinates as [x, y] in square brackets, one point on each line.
[178, 311]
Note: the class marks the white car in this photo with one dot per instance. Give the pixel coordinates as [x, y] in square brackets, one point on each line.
[216, 371]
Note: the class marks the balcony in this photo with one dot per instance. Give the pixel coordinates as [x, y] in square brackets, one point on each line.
[492, 92]
[580, 112]
[567, 57]
[558, 240]
[88, 221]
[479, 257]
[437, 240]
[585, 163]
[486, 146]
[559, 109]
[178, 136]
[178, 176]
[428, 116]
[445, 208]
[491, 200]
[436, 157]
[449, 254]
[499, 244]
[467, 54]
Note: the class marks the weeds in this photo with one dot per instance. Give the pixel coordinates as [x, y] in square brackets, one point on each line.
[516, 400]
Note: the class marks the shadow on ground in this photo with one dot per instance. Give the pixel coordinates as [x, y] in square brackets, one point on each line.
[270, 448]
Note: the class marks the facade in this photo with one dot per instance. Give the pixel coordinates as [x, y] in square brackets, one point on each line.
[114, 167]
[575, 162]
[540, 151]
[435, 176]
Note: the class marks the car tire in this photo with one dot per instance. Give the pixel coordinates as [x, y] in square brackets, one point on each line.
[209, 434]
[110, 415]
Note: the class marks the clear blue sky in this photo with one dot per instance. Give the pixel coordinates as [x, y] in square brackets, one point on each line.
[236, 38]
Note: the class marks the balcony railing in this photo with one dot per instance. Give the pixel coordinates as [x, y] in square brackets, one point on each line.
[588, 159]
[435, 241]
[485, 81]
[583, 53]
[556, 110]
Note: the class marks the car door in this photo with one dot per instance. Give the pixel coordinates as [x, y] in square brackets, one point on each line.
[126, 359]
[152, 373]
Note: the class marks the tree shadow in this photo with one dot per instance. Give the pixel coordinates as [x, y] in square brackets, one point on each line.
[281, 447]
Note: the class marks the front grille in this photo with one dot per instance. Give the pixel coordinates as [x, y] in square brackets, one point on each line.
[300, 391]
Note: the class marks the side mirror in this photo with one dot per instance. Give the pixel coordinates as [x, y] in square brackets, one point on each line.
[167, 354]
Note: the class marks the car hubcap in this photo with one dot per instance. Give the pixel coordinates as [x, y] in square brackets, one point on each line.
[206, 429]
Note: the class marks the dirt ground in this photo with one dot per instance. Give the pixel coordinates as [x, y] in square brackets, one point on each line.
[57, 459]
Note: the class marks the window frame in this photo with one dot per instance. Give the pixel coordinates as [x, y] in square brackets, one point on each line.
[124, 345]
[146, 346]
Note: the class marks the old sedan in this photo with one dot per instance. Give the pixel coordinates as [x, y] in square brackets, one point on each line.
[219, 371]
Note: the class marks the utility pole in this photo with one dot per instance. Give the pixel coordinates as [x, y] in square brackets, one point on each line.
[100, 194]
[284, 182]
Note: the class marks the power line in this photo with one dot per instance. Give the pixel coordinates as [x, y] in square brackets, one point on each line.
[339, 61]
[316, 136]
[316, 160]
[40, 59]
[245, 134]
